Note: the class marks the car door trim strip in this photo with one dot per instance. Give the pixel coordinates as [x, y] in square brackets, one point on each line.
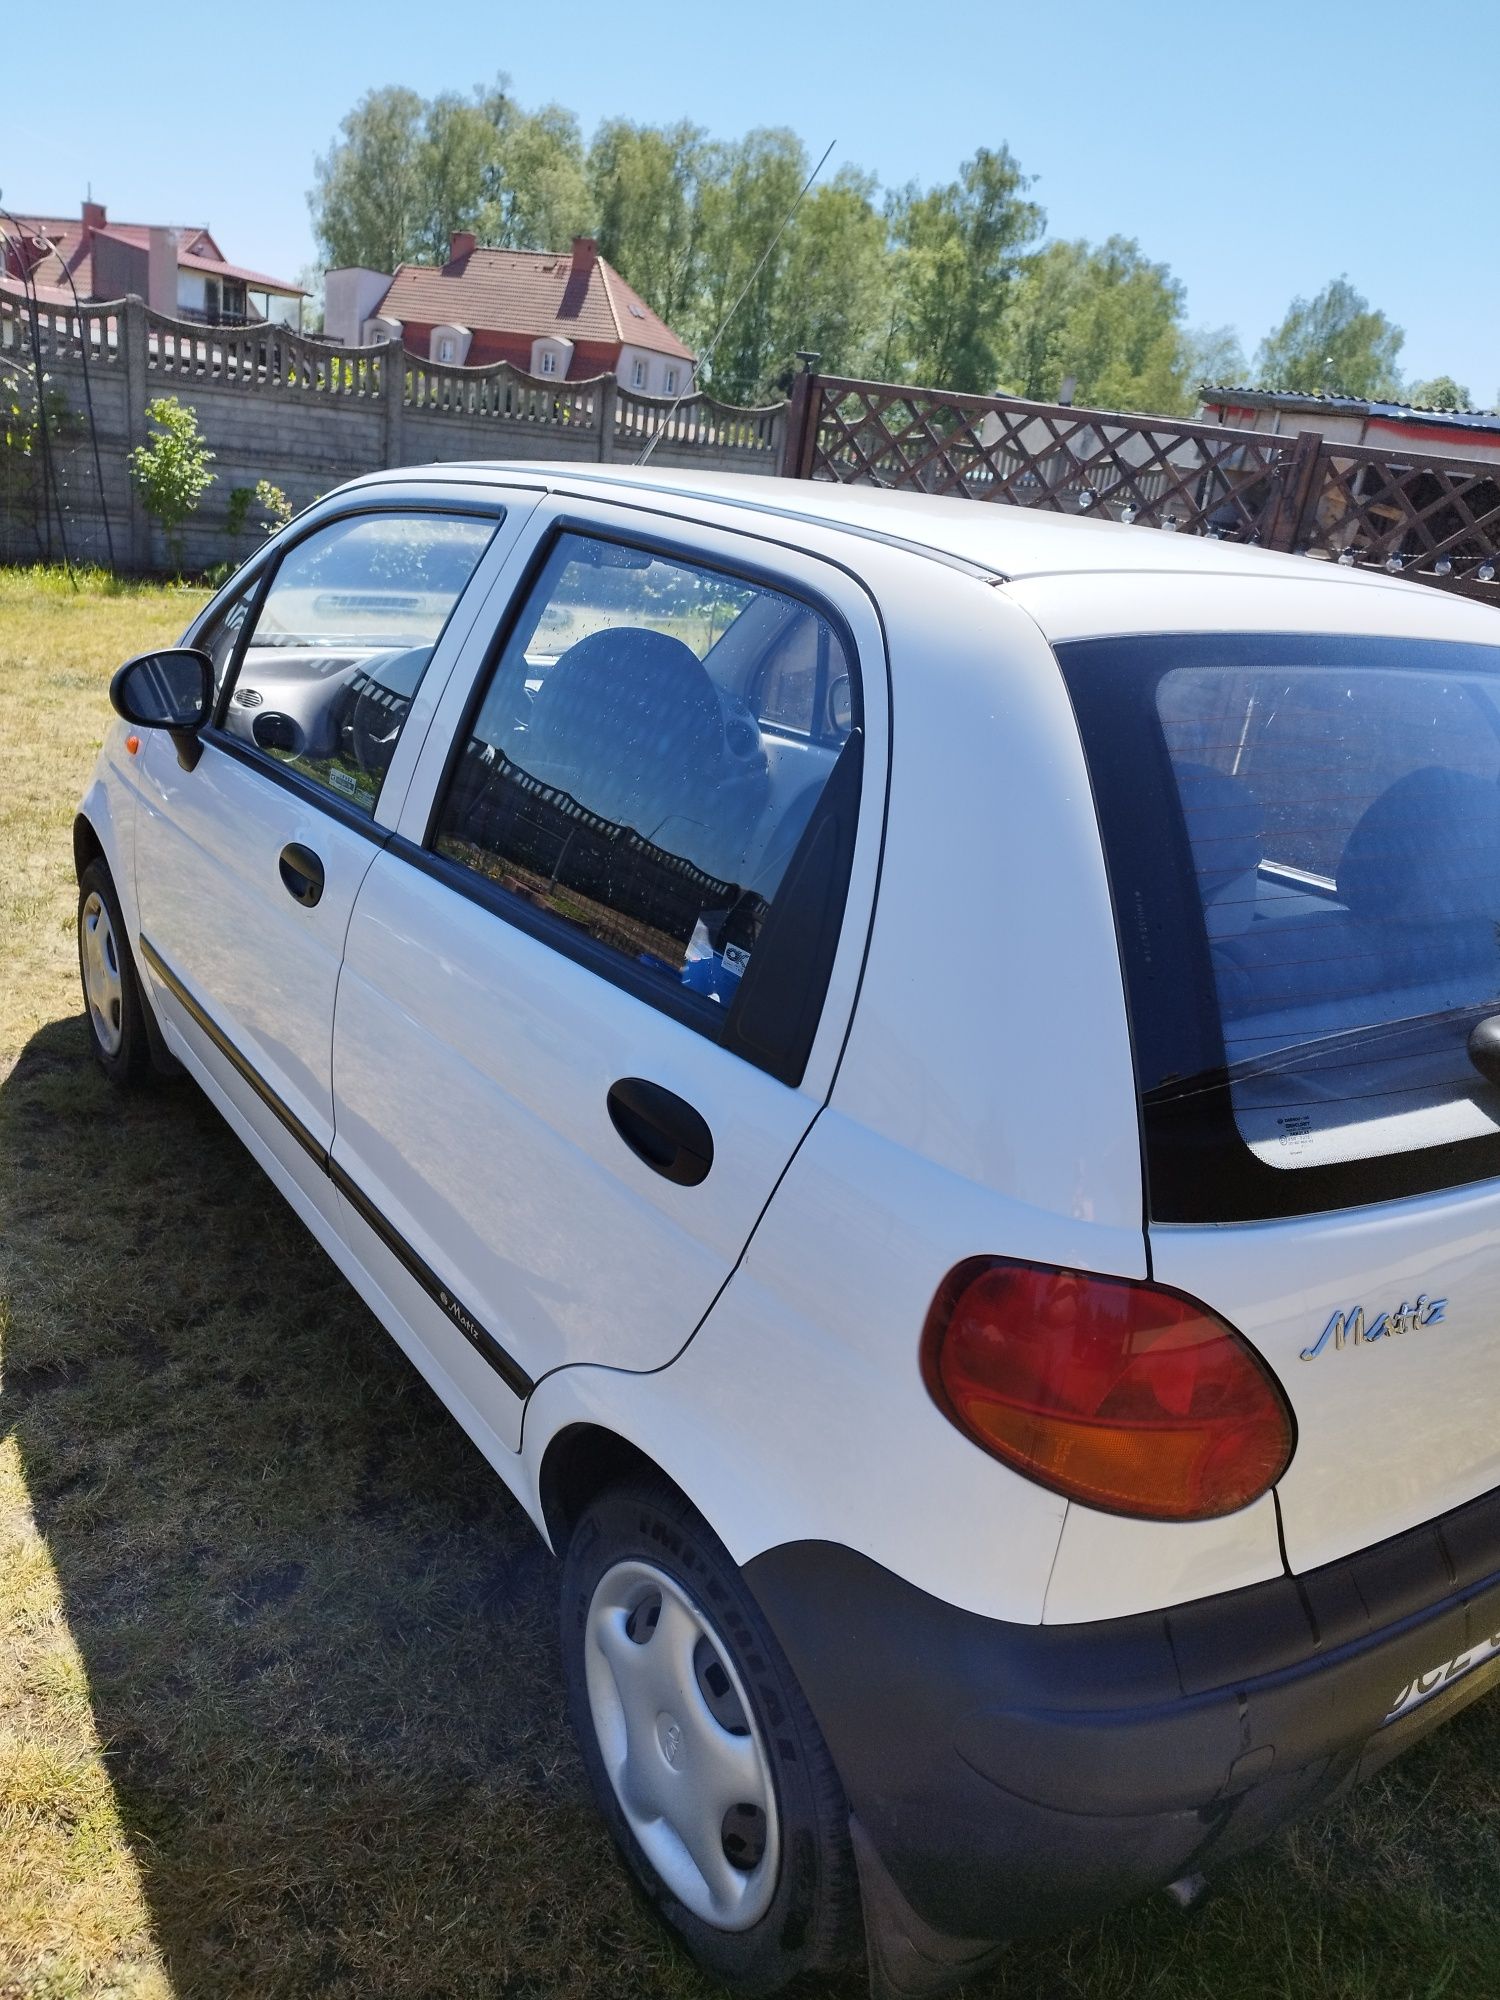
[282, 1112]
[479, 1337]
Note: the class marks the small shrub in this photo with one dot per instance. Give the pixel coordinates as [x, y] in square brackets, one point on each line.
[271, 501]
[274, 504]
[170, 470]
[237, 511]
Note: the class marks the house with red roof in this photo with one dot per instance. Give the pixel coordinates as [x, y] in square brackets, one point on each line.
[178, 271]
[562, 315]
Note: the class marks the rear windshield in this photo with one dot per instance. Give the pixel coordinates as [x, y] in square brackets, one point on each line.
[1303, 838]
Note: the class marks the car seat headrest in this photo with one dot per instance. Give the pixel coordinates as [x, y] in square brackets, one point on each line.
[1426, 851]
[628, 723]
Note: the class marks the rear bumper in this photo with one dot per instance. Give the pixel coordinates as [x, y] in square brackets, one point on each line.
[1014, 1779]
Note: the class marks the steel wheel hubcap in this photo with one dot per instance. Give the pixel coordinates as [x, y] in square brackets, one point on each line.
[681, 1745]
[103, 987]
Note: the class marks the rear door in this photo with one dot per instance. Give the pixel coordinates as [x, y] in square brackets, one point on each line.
[1314, 967]
[594, 991]
[248, 863]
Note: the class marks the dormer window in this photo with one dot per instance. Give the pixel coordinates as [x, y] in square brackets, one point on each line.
[670, 383]
[638, 379]
[445, 348]
[549, 361]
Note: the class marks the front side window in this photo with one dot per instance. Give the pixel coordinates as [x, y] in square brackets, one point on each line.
[618, 774]
[341, 642]
[1305, 842]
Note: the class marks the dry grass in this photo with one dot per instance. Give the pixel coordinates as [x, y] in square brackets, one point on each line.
[279, 1702]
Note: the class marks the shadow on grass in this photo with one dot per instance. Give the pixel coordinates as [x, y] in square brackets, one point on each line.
[318, 1634]
[319, 1639]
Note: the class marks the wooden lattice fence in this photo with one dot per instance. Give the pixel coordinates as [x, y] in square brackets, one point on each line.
[1430, 517]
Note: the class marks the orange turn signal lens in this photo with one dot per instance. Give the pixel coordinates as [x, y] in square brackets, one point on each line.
[132, 744]
[1119, 1394]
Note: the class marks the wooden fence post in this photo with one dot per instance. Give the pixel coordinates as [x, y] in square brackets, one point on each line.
[800, 438]
[1284, 529]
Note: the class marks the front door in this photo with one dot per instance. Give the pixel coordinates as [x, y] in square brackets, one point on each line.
[247, 864]
[594, 990]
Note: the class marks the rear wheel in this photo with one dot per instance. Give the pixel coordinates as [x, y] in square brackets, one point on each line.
[702, 1753]
[112, 1000]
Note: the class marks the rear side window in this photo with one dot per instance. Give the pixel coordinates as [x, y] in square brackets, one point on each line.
[1304, 842]
[620, 774]
[341, 642]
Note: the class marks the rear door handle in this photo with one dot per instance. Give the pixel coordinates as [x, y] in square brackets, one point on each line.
[661, 1129]
[302, 873]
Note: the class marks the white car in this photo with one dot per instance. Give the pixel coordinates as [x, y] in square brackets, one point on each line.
[923, 1079]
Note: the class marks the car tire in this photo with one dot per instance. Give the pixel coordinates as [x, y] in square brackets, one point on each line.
[705, 1747]
[113, 1004]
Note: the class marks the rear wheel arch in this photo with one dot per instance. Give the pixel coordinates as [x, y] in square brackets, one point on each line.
[582, 1461]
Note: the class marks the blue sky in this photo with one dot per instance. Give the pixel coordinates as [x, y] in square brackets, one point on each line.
[1258, 149]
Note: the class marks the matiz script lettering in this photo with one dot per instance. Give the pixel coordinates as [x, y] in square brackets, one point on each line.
[1348, 1329]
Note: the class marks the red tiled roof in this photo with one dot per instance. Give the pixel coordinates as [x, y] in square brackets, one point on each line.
[529, 292]
[256, 280]
[69, 253]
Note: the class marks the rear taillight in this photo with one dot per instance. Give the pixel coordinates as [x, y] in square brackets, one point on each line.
[1116, 1393]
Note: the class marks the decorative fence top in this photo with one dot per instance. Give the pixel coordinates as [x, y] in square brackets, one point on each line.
[1424, 516]
[700, 420]
[61, 333]
[267, 358]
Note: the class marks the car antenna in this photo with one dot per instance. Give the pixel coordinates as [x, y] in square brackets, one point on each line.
[692, 381]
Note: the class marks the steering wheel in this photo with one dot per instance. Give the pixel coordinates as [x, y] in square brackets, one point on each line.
[380, 698]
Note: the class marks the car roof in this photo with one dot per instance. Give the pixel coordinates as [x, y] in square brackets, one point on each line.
[1007, 542]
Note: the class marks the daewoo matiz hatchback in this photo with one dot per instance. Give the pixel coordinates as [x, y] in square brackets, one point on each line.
[924, 1082]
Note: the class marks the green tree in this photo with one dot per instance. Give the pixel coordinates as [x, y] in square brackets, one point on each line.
[1336, 344]
[369, 200]
[835, 281]
[1439, 392]
[170, 470]
[457, 164]
[647, 184]
[1110, 318]
[748, 188]
[536, 192]
[960, 255]
[406, 173]
[1215, 357]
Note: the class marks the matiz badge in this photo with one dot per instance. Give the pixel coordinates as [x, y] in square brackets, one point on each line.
[1348, 1329]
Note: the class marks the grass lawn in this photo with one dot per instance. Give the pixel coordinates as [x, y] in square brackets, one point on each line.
[279, 1698]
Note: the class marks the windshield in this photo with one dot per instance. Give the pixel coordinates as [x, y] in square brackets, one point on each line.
[1308, 884]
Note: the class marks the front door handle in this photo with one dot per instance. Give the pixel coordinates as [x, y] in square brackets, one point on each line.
[302, 873]
[662, 1129]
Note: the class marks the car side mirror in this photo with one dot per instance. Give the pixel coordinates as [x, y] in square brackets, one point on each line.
[173, 690]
